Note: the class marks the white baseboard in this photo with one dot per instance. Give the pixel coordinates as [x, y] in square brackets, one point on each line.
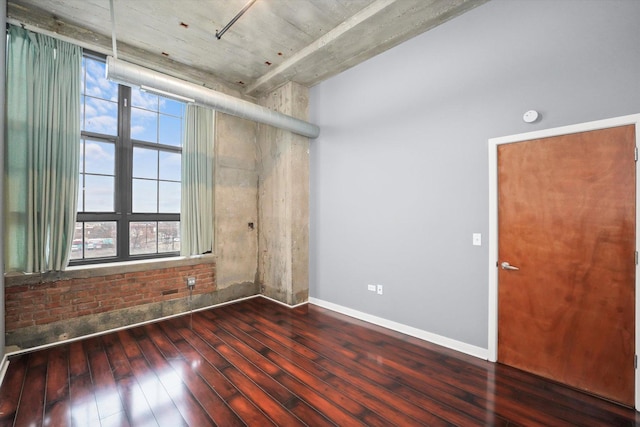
[282, 303]
[452, 344]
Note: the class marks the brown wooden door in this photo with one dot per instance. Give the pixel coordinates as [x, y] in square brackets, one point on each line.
[566, 219]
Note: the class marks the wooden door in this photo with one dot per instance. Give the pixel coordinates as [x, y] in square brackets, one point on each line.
[566, 220]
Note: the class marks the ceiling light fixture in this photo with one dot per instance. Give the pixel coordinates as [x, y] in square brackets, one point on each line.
[166, 94]
[235, 18]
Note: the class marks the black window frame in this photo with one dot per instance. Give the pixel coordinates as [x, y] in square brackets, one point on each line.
[123, 213]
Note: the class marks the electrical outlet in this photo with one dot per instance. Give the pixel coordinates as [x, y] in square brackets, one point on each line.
[191, 282]
[379, 289]
[371, 288]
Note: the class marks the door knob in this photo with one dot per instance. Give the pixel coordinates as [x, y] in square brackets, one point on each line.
[506, 266]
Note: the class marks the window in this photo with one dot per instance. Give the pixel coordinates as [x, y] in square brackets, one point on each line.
[130, 170]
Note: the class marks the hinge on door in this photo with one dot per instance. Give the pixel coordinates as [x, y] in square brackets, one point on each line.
[636, 257]
[635, 361]
[635, 156]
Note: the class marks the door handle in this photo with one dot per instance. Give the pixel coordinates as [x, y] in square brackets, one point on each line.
[506, 266]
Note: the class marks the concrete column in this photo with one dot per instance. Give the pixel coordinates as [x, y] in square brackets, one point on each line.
[236, 201]
[283, 201]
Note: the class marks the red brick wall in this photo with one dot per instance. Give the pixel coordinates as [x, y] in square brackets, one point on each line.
[42, 303]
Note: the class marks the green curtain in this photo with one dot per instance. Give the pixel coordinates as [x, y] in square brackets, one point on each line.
[196, 214]
[42, 150]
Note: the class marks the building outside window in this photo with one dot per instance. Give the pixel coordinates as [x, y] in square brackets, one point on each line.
[130, 171]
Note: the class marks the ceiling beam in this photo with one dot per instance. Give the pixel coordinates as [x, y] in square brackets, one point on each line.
[317, 45]
[375, 29]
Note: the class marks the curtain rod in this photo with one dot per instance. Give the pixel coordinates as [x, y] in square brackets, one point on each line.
[95, 48]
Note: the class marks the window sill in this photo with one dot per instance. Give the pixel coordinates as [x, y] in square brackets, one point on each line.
[98, 270]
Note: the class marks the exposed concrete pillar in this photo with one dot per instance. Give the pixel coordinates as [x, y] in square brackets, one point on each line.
[283, 203]
[236, 201]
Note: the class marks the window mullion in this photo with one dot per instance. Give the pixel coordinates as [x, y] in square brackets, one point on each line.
[124, 168]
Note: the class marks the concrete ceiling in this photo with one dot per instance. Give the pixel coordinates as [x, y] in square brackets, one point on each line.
[275, 41]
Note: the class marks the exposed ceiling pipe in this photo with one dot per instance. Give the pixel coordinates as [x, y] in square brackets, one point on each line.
[133, 75]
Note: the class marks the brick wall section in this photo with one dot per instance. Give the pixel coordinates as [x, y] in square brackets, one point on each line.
[42, 303]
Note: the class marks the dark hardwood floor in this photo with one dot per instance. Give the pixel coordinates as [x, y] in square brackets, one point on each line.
[258, 363]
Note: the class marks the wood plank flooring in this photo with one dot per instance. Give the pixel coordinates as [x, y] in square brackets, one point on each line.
[258, 363]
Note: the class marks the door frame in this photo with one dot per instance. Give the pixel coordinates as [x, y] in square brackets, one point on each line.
[493, 222]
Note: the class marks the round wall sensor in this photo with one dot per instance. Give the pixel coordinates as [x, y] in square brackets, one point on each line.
[530, 116]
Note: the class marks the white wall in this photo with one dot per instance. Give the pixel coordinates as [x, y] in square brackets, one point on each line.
[399, 174]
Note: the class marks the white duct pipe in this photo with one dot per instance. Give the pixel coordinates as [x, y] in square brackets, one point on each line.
[133, 75]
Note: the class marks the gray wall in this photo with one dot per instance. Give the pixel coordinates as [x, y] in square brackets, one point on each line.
[399, 174]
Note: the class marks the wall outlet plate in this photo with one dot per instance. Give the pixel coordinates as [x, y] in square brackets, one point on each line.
[379, 289]
[371, 288]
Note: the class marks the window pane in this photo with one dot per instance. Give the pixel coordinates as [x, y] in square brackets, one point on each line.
[169, 194]
[145, 163]
[99, 157]
[76, 246]
[170, 166]
[81, 157]
[96, 84]
[144, 100]
[169, 106]
[98, 193]
[100, 116]
[170, 130]
[168, 236]
[82, 113]
[145, 196]
[94, 240]
[143, 238]
[144, 125]
[80, 195]
[100, 239]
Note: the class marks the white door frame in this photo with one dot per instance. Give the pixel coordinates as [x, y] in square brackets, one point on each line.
[493, 221]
